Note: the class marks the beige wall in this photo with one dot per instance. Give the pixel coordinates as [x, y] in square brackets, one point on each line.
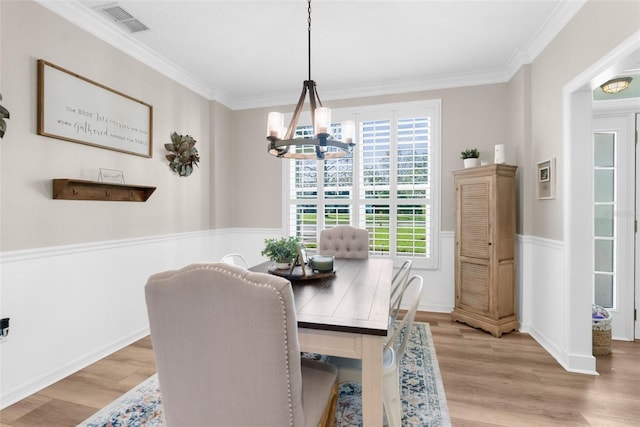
[524, 114]
[29, 216]
[471, 117]
[595, 30]
[256, 176]
[238, 183]
[221, 194]
[519, 131]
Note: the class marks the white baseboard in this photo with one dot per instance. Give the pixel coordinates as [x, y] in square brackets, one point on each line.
[24, 390]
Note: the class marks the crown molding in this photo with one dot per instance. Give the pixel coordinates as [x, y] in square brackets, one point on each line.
[74, 12]
[448, 81]
[556, 21]
[78, 14]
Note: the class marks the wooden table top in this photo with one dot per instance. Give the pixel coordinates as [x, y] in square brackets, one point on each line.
[355, 299]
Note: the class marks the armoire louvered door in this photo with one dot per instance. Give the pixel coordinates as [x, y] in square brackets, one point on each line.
[485, 248]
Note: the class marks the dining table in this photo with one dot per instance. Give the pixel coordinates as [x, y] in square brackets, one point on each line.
[345, 312]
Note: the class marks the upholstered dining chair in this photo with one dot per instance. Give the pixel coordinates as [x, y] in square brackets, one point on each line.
[344, 241]
[208, 322]
[394, 347]
[235, 259]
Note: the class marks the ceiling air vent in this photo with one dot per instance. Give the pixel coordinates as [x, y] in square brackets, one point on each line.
[123, 17]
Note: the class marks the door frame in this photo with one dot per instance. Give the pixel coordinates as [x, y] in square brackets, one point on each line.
[622, 122]
[577, 190]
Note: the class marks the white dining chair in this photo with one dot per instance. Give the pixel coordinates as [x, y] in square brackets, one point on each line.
[235, 259]
[398, 283]
[395, 345]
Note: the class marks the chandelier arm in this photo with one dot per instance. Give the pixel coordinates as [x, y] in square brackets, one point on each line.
[305, 142]
[281, 148]
[313, 156]
[315, 90]
[277, 151]
[312, 99]
[296, 113]
[319, 148]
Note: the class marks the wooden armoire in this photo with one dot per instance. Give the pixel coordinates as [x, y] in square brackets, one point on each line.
[485, 232]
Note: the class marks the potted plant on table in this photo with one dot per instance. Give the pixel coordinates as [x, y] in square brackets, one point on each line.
[283, 250]
[471, 157]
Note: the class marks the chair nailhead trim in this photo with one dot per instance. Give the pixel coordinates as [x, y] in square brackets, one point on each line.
[242, 277]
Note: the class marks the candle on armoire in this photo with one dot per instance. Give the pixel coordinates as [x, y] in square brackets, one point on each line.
[499, 155]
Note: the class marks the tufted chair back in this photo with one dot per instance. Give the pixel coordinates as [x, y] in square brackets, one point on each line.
[345, 241]
[208, 322]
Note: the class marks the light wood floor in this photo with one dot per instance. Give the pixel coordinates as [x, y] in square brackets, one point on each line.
[507, 381]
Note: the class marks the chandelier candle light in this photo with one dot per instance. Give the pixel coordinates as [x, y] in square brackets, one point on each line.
[281, 140]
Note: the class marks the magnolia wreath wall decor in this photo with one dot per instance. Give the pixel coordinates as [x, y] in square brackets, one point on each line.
[183, 154]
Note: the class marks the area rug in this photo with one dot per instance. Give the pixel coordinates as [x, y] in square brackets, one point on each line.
[423, 399]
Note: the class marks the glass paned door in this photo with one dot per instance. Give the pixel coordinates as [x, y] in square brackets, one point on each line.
[604, 174]
[614, 215]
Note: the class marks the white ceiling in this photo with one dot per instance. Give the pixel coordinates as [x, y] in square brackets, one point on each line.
[254, 53]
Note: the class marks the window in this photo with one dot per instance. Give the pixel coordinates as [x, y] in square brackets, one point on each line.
[390, 185]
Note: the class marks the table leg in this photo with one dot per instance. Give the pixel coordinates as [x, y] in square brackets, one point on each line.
[371, 380]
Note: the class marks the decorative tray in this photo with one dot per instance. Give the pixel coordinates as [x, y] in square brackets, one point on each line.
[297, 273]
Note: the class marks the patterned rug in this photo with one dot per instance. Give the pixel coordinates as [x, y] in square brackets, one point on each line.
[422, 393]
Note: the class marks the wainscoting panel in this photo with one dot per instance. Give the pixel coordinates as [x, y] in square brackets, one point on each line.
[438, 293]
[544, 303]
[70, 306]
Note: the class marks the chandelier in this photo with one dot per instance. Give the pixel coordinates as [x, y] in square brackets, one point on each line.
[281, 139]
[616, 85]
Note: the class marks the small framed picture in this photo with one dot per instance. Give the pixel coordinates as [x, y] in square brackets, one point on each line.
[302, 253]
[302, 258]
[111, 175]
[543, 174]
[545, 179]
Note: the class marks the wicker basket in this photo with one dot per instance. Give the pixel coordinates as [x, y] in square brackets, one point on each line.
[601, 330]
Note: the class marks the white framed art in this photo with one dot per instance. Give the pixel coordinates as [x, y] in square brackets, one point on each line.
[546, 179]
[74, 108]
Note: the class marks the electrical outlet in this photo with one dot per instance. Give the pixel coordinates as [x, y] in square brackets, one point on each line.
[4, 329]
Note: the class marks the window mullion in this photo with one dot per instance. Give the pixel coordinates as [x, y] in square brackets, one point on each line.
[393, 186]
[355, 181]
[321, 202]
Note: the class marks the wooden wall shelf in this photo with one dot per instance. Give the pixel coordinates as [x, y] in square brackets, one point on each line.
[75, 189]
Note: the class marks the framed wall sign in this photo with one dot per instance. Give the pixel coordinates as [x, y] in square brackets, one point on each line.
[76, 109]
[546, 179]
